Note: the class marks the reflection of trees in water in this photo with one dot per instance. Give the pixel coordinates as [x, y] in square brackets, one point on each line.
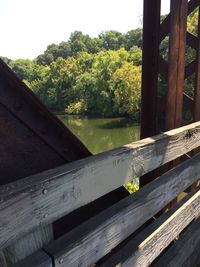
[102, 134]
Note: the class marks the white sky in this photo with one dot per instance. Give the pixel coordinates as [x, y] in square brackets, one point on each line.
[28, 26]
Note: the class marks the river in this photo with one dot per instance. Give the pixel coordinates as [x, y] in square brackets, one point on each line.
[101, 134]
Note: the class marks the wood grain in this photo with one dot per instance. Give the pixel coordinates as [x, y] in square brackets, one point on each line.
[144, 248]
[98, 236]
[176, 65]
[26, 246]
[186, 251]
[38, 259]
[41, 199]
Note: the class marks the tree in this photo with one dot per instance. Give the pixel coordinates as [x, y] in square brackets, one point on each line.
[111, 40]
[24, 68]
[6, 60]
[126, 83]
[132, 38]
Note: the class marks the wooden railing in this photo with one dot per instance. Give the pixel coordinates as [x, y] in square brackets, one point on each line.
[118, 232]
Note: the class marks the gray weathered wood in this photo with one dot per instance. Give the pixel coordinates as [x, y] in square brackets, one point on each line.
[186, 251]
[95, 238]
[144, 248]
[43, 198]
[27, 245]
[38, 259]
[2, 259]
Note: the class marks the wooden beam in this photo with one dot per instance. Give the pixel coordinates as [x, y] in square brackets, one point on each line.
[179, 9]
[192, 40]
[190, 69]
[197, 79]
[27, 245]
[41, 199]
[95, 238]
[151, 29]
[192, 5]
[189, 246]
[38, 259]
[163, 68]
[145, 247]
[165, 26]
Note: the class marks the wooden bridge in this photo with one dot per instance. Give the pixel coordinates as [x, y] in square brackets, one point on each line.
[61, 206]
[119, 232]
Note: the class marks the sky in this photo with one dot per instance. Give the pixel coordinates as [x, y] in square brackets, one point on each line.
[28, 26]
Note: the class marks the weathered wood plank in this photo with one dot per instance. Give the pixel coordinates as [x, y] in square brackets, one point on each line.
[144, 248]
[95, 238]
[197, 78]
[26, 246]
[38, 259]
[41, 199]
[186, 251]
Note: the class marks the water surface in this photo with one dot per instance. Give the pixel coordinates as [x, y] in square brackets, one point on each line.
[101, 134]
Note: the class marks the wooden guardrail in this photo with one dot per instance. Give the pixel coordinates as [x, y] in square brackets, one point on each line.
[46, 197]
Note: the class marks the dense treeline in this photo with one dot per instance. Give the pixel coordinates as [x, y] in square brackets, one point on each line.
[94, 76]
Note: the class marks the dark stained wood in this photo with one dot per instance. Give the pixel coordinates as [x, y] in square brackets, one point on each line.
[142, 249]
[186, 251]
[150, 66]
[188, 102]
[21, 109]
[176, 63]
[98, 236]
[151, 29]
[165, 26]
[190, 69]
[32, 140]
[192, 40]
[192, 5]
[163, 68]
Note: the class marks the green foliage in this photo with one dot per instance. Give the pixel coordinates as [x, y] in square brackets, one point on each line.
[192, 22]
[132, 186]
[6, 60]
[132, 38]
[89, 83]
[79, 42]
[127, 90]
[95, 76]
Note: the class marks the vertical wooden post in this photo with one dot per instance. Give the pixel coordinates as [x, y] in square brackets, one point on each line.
[151, 33]
[176, 67]
[197, 81]
[151, 27]
[197, 90]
